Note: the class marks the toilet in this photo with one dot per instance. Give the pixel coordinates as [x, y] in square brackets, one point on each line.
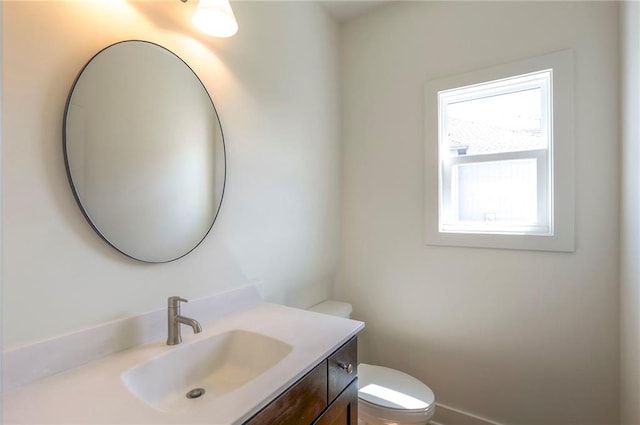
[385, 396]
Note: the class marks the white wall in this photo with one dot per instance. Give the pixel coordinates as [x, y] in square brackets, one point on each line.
[275, 85]
[630, 223]
[514, 336]
[1, 8]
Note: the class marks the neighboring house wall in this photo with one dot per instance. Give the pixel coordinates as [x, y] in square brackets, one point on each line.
[630, 228]
[275, 86]
[518, 337]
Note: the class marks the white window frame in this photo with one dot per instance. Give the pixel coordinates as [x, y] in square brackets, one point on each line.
[557, 231]
[448, 221]
[449, 224]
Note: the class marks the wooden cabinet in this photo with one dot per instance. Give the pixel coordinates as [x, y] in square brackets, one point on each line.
[344, 410]
[328, 395]
[342, 368]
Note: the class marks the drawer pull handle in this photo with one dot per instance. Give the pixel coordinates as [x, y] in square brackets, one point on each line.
[346, 367]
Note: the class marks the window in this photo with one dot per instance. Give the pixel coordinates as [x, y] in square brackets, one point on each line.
[499, 146]
[494, 156]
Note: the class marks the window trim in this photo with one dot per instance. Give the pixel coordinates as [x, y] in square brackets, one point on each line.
[560, 236]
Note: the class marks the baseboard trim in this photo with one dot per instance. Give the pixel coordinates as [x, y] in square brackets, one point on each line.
[447, 415]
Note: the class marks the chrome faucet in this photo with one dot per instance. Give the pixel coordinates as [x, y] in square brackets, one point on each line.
[175, 320]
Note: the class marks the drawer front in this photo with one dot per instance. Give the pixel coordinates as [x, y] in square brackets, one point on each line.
[343, 368]
[300, 404]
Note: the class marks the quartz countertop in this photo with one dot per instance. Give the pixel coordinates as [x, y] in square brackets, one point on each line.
[95, 393]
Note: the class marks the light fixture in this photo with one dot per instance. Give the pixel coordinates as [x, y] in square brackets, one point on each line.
[215, 18]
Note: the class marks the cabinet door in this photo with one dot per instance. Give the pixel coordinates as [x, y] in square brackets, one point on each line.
[344, 410]
[300, 404]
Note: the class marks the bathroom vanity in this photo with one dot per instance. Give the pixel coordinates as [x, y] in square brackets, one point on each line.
[328, 395]
[263, 364]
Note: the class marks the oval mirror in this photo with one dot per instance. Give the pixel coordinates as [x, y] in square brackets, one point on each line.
[144, 151]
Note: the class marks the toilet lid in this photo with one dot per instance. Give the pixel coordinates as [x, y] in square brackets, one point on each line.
[392, 389]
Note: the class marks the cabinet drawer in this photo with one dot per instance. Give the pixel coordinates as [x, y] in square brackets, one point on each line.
[343, 368]
[300, 404]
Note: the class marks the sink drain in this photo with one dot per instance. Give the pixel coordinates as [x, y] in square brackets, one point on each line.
[195, 393]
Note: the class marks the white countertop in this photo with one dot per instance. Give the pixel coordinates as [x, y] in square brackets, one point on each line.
[95, 393]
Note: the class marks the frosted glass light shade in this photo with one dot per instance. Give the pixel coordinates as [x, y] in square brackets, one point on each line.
[215, 18]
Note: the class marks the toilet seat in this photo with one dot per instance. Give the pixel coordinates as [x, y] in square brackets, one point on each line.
[393, 395]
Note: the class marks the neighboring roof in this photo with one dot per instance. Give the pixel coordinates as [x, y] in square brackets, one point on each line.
[485, 139]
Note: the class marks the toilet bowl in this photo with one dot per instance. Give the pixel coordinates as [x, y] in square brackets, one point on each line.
[385, 396]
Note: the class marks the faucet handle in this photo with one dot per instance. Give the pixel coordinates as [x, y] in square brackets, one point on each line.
[175, 301]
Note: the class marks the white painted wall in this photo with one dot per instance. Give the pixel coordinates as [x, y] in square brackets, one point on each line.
[1, 374]
[630, 223]
[275, 85]
[518, 337]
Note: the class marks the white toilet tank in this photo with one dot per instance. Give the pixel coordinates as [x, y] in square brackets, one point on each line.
[334, 308]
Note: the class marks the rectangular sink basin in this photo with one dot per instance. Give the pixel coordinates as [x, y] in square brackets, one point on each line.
[218, 365]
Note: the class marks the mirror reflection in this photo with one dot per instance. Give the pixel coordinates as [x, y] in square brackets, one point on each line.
[144, 151]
